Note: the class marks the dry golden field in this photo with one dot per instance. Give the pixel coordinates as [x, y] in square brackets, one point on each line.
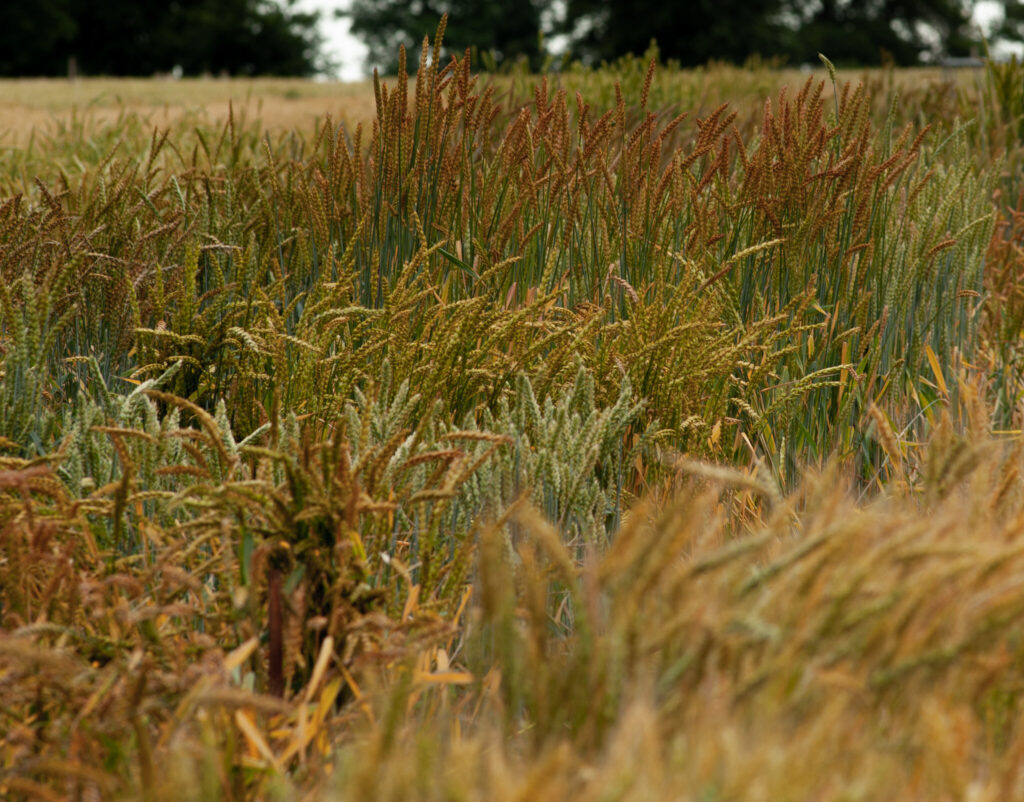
[281, 104]
[41, 105]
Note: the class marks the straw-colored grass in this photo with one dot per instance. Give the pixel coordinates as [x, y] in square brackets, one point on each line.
[46, 106]
[39, 107]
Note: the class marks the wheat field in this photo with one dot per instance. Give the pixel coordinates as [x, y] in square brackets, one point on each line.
[618, 434]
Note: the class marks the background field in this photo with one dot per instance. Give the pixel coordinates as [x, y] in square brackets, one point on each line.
[45, 105]
[513, 438]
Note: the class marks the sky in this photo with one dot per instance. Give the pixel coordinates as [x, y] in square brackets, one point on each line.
[344, 49]
[349, 53]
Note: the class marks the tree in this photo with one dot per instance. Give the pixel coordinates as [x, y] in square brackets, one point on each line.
[1011, 26]
[847, 31]
[866, 31]
[250, 37]
[692, 33]
[510, 29]
[34, 38]
[127, 37]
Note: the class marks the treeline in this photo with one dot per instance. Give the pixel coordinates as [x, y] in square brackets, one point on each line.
[126, 37]
[694, 32]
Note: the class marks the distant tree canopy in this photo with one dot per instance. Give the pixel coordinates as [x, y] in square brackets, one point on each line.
[127, 37]
[692, 32]
[848, 31]
[1012, 26]
[863, 32]
[509, 29]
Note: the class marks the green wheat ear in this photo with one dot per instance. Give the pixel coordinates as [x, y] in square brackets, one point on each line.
[828, 66]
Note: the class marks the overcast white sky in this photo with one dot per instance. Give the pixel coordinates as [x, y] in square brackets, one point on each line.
[350, 53]
[339, 44]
